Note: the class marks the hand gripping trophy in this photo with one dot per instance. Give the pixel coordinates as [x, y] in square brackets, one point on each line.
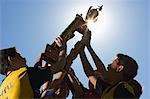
[51, 52]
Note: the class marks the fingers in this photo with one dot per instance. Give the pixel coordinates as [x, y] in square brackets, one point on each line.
[59, 41]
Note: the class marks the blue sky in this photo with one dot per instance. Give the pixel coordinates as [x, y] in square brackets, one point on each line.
[123, 26]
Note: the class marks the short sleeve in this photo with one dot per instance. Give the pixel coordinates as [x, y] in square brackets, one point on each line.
[122, 92]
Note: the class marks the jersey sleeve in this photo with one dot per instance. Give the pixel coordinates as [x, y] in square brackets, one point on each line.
[123, 92]
[38, 76]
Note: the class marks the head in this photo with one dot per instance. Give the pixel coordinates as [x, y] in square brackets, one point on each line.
[10, 60]
[125, 65]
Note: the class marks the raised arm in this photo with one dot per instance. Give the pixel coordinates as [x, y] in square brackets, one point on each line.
[86, 65]
[59, 65]
[87, 68]
[99, 64]
[74, 84]
[87, 41]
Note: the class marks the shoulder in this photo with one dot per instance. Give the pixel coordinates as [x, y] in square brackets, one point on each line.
[35, 72]
[101, 85]
[38, 69]
[136, 86]
[124, 90]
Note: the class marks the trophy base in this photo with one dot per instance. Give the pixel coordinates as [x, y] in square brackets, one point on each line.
[51, 54]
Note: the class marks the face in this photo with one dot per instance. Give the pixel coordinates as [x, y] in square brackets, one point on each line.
[114, 65]
[17, 61]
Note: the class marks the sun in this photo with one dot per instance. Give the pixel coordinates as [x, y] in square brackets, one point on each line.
[101, 29]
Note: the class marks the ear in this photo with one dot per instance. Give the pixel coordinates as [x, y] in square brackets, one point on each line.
[120, 68]
[9, 60]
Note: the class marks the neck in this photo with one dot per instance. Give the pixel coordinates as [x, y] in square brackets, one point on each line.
[12, 68]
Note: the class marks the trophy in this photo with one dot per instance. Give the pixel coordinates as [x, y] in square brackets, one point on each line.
[52, 51]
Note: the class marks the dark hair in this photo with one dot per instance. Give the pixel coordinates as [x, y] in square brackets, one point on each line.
[130, 66]
[4, 53]
[8, 52]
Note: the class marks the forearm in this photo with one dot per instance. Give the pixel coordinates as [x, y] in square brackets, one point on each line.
[46, 85]
[86, 65]
[99, 64]
[59, 77]
[74, 85]
[74, 80]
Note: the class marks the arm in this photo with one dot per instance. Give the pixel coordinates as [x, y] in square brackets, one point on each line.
[55, 68]
[54, 86]
[99, 64]
[59, 65]
[74, 84]
[87, 68]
